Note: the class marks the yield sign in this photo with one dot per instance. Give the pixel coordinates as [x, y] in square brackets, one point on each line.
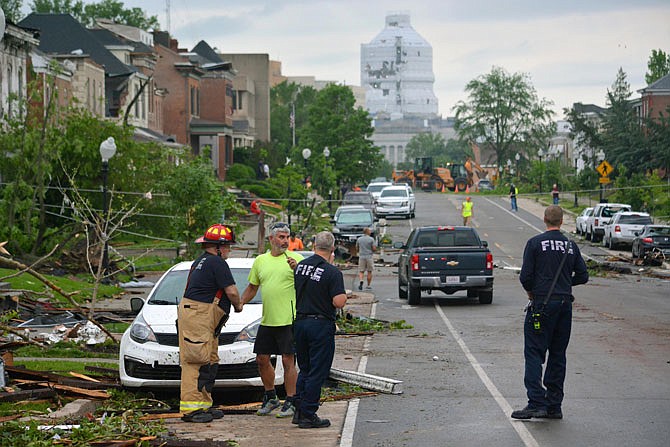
[604, 168]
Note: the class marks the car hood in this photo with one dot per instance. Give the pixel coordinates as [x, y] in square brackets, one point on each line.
[162, 318]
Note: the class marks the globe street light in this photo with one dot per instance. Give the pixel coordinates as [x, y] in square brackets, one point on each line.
[541, 154]
[517, 157]
[107, 151]
[326, 154]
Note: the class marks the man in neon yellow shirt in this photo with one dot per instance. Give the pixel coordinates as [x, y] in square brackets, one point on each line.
[467, 211]
[273, 271]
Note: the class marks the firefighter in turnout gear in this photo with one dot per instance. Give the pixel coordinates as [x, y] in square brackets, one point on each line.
[203, 311]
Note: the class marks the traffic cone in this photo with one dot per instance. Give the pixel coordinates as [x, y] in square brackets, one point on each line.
[442, 187]
[467, 189]
[456, 188]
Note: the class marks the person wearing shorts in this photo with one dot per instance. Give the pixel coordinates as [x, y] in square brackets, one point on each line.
[273, 273]
[366, 246]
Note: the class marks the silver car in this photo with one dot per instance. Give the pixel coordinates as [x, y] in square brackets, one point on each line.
[623, 228]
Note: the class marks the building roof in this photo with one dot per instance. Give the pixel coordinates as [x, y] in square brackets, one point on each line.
[660, 85]
[63, 34]
[204, 50]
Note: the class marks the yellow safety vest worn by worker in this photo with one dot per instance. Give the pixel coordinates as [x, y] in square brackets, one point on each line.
[467, 209]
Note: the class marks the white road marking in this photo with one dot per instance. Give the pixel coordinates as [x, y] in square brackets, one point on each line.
[515, 215]
[522, 431]
[347, 437]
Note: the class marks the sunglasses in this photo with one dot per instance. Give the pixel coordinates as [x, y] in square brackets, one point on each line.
[278, 225]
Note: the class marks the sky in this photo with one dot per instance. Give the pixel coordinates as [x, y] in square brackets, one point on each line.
[571, 49]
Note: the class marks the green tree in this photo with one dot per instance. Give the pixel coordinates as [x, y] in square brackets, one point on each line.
[86, 13]
[333, 122]
[503, 110]
[622, 138]
[426, 144]
[12, 10]
[584, 132]
[657, 66]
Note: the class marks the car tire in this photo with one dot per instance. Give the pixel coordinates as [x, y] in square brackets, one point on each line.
[610, 244]
[486, 297]
[588, 235]
[402, 293]
[414, 294]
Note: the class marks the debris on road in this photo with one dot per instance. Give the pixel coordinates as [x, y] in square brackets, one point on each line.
[367, 381]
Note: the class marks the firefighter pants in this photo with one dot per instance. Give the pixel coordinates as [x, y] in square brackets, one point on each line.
[198, 352]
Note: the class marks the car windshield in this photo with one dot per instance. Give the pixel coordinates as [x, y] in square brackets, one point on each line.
[376, 188]
[355, 218]
[609, 212]
[635, 220]
[394, 193]
[659, 231]
[171, 288]
[358, 198]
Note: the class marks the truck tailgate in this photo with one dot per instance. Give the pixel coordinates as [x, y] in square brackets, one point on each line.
[465, 261]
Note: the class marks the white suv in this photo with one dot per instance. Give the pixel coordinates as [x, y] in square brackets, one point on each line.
[602, 214]
[396, 200]
[375, 188]
[623, 227]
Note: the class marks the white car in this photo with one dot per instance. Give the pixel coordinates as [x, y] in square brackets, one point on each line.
[375, 188]
[149, 351]
[396, 200]
[580, 221]
[623, 228]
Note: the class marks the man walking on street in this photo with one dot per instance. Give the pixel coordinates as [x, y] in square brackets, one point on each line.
[202, 312]
[320, 291]
[366, 246]
[513, 191]
[552, 264]
[273, 272]
[466, 211]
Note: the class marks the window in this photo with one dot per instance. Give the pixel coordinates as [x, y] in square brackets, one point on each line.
[385, 92]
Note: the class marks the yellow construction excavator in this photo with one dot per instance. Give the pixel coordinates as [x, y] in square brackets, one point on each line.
[430, 178]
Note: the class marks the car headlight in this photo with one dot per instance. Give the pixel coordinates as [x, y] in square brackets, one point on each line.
[336, 230]
[141, 332]
[249, 332]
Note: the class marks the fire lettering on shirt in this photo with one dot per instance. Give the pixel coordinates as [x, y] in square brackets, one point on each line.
[554, 245]
[309, 270]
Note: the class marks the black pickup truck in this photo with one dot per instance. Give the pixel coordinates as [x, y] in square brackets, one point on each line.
[445, 258]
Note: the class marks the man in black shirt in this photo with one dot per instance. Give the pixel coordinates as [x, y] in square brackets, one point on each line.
[319, 292]
[202, 312]
[549, 258]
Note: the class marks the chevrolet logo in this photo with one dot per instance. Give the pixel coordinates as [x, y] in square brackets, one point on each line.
[452, 263]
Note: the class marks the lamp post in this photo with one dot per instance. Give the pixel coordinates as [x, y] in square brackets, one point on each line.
[326, 154]
[107, 151]
[306, 153]
[517, 157]
[600, 156]
[540, 153]
[509, 168]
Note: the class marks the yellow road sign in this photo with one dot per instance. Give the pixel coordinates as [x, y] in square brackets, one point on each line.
[604, 179]
[605, 169]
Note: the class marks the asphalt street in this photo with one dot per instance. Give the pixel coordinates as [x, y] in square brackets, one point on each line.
[618, 381]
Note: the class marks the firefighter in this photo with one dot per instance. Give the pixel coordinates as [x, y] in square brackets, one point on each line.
[202, 313]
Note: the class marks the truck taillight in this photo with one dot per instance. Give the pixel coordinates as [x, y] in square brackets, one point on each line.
[617, 229]
[596, 222]
[489, 261]
[415, 262]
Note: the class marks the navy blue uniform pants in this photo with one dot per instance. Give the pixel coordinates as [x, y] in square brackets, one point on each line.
[315, 348]
[553, 339]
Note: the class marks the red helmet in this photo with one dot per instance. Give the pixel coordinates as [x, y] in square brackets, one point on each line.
[217, 234]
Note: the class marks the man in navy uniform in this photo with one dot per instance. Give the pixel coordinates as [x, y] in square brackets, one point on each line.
[550, 331]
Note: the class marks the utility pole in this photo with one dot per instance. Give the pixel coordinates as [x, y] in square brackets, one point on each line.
[167, 16]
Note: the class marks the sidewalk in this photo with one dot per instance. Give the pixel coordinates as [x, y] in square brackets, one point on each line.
[250, 430]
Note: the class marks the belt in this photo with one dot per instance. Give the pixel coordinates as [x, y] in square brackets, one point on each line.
[554, 298]
[312, 316]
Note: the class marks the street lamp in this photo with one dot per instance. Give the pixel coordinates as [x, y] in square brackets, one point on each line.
[326, 154]
[107, 151]
[517, 157]
[541, 154]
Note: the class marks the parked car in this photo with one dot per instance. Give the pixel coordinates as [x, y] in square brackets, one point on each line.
[348, 225]
[149, 351]
[375, 188]
[362, 198]
[485, 185]
[623, 226]
[652, 237]
[602, 213]
[580, 221]
[396, 200]
[445, 258]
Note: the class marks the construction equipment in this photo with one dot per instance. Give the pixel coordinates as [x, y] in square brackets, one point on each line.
[429, 178]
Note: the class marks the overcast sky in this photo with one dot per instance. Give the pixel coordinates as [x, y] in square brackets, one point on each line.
[571, 49]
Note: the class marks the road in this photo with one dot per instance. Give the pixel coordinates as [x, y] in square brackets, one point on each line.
[618, 376]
